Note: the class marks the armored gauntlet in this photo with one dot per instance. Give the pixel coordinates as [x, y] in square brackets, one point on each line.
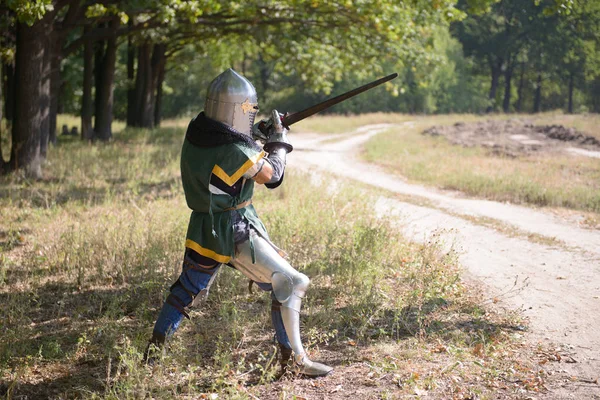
[272, 133]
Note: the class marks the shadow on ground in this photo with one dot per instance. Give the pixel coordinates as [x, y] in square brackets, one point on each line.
[44, 195]
[68, 338]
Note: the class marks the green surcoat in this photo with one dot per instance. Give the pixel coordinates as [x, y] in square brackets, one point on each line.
[210, 231]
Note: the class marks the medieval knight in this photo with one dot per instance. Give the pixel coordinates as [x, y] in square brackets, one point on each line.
[220, 162]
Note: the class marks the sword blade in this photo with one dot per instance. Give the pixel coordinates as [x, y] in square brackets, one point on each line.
[292, 118]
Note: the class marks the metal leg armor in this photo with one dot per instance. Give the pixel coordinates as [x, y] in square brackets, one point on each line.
[289, 287]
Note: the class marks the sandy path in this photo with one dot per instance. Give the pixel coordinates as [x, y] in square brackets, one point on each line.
[558, 288]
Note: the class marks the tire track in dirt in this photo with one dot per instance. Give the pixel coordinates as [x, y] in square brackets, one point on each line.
[558, 289]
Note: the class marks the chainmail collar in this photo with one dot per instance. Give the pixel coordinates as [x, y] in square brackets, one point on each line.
[205, 132]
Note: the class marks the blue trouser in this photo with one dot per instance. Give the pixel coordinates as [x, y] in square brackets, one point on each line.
[193, 279]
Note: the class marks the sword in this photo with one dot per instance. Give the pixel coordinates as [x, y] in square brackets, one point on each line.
[264, 126]
[289, 119]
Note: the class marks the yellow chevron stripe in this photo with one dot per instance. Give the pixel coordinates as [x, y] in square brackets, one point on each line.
[230, 180]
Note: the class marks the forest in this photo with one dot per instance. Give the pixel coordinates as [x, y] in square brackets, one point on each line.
[141, 61]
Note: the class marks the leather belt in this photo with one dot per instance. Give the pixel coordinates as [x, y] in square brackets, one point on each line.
[241, 205]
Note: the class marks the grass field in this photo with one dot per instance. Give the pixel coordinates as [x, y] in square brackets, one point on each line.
[345, 123]
[586, 123]
[538, 179]
[88, 253]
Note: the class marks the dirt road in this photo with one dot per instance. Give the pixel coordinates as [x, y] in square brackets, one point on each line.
[557, 285]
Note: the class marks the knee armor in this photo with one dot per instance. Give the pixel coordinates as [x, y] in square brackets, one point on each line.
[286, 286]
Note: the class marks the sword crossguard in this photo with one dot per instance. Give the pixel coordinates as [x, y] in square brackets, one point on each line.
[283, 119]
[264, 129]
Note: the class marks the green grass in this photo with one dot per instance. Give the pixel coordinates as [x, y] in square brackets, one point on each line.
[88, 253]
[539, 179]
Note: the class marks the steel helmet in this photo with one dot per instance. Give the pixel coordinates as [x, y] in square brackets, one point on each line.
[232, 100]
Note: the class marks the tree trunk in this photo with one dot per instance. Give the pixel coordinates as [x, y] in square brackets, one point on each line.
[87, 107]
[1, 116]
[104, 86]
[55, 83]
[520, 89]
[496, 70]
[571, 89]
[243, 64]
[159, 61]
[508, 73]
[99, 50]
[143, 65]
[146, 110]
[148, 84]
[9, 92]
[45, 96]
[264, 73]
[25, 152]
[537, 102]
[131, 106]
[159, 95]
[594, 93]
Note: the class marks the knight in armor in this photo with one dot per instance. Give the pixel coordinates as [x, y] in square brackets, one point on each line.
[220, 164]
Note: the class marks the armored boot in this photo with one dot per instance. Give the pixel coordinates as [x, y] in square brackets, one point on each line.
[301, 365]
[191, 287]
[312, 369]
[290, 312]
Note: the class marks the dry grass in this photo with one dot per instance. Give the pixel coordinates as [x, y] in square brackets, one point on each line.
[88, 253]
[538, 179]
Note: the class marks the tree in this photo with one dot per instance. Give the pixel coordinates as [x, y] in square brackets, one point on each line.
[312, 43]
[105, 59]
[30, 108]
[543, 40]
[27, 119]
[321, 39]
[497, 38]
[575, 48]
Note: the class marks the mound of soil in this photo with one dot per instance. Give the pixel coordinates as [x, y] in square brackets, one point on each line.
[515, 137]
[559, 132]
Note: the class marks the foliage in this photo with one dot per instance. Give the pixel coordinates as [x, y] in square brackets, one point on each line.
[298, 52]
[437, 82]
[547, 43]
[539, 54]
[435, 75]
[29, 11]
